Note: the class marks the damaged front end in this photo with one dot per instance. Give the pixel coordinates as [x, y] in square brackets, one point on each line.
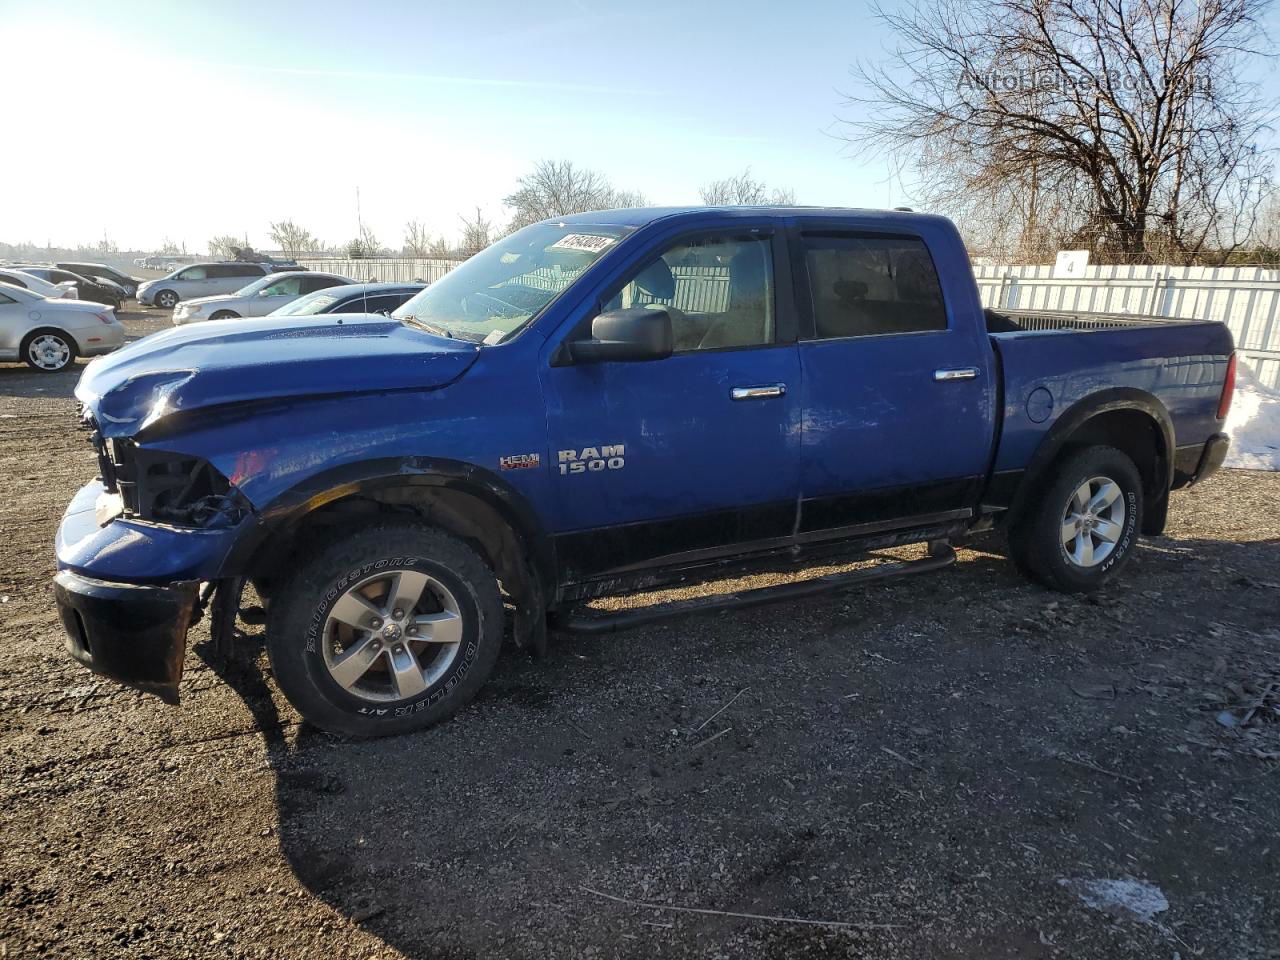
[133, 548]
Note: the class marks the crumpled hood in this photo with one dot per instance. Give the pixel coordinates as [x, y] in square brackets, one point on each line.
[236, 361]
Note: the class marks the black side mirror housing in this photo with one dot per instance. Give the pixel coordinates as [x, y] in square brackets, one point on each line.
[637, 333]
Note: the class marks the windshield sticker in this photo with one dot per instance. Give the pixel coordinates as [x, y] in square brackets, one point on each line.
[586, 242]
[494, 336]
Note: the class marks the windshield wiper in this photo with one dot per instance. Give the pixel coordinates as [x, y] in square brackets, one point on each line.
[428, 326]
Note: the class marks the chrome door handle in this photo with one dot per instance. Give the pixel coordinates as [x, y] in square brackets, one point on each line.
[956, 373]
[758, 393]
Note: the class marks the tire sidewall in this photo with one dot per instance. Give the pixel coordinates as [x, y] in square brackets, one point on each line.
[296, 647]
[162, 295]
[1053, 560]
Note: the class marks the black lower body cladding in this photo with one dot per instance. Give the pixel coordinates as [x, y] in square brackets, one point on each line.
[131, 633]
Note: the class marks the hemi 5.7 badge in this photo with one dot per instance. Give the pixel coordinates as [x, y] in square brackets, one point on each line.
[520, 461]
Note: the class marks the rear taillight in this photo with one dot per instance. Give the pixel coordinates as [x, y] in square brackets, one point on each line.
[1228, 388]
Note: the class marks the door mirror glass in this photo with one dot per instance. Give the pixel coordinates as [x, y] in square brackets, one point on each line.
[631, 334]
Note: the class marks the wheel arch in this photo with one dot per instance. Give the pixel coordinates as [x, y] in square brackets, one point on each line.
[465, 500]
[1134, 422]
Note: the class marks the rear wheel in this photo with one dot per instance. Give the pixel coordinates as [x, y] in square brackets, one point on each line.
[390, 629]
[48, 351]
[1084, 524]
[166, 299]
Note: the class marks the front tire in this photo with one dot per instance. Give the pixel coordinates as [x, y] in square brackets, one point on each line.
[1081, 529]
[391, 628]
[166, 299]
[225, 315]
[49, 351]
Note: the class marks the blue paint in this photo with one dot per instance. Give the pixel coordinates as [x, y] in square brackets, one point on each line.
[273, 404]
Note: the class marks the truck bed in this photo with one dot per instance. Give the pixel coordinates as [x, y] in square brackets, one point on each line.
[1051, 361]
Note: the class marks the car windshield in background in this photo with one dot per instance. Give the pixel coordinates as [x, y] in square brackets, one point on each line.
[305, 306]
[494, 294]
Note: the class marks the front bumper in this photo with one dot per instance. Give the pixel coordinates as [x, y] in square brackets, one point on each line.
[134, 634]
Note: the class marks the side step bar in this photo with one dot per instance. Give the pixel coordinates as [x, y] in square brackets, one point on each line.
[940, 555]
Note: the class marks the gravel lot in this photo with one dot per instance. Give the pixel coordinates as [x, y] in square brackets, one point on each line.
[949, 766]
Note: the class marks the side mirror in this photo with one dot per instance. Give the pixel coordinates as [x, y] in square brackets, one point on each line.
[637, 333]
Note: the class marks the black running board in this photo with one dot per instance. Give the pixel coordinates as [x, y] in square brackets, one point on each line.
[940, 555]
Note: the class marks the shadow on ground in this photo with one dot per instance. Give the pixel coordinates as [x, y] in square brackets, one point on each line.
[923, 762]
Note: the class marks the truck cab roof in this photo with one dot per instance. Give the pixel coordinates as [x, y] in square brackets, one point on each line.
[643, 216]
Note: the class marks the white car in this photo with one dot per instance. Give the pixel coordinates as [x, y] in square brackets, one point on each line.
[53, 291]
[258, 298]
[48, 335]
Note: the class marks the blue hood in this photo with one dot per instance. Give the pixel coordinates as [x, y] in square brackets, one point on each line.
[235, 361]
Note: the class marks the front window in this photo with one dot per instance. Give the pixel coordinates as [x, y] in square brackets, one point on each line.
[498, 291]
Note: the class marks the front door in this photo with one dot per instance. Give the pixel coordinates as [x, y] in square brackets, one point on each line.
[693, 456]
[898, 392]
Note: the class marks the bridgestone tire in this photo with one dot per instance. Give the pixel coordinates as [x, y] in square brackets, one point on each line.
[1036, 541]
[299, 611]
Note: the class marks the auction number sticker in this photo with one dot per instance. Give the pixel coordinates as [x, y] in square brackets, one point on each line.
[586, 242]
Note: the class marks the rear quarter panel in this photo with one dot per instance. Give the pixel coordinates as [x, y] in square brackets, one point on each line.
[1180, 364]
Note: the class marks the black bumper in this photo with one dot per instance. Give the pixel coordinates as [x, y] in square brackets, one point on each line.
[134, 634]
[1199, 461]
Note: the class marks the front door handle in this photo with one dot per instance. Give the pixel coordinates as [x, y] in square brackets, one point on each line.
[760, 392]
[955, 373]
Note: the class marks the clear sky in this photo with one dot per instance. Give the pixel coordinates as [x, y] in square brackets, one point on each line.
[189, 120]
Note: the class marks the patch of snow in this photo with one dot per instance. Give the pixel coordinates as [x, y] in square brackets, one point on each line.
[1127, 897]
[1253, 423]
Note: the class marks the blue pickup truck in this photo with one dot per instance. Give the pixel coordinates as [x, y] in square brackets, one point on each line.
[598, 405]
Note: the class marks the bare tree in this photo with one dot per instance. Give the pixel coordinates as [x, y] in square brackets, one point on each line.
[417, 240]
[477, 233]
[293, 239]
[223, 247]
[1130, 122]
[742, 190]
[557, 188]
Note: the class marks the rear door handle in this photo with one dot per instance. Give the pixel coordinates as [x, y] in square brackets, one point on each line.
[760, 392]
[955, 373]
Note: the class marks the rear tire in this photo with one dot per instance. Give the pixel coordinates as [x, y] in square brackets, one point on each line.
[390, 629]
[48, 350]
[1082, 526]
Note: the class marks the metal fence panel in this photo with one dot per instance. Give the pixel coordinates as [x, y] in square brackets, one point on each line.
[1246, 299]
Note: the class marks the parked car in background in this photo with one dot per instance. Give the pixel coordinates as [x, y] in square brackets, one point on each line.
[89, 288]
[199, 280]
[100, 271]
[257, 299]
[27, 281]
[48, 335]
[351, 298]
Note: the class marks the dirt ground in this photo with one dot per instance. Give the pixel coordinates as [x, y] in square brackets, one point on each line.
[949, 766]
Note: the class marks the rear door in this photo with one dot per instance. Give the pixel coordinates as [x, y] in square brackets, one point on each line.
[898, 392]
[695, 456]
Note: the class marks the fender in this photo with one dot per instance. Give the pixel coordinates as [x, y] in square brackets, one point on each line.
[1077, 416]
[373, 475]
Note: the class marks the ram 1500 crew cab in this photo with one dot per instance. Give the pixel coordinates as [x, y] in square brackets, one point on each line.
[600, 404]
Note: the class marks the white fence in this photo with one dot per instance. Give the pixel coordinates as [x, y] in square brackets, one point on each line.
[383, 270]
[1246, 299]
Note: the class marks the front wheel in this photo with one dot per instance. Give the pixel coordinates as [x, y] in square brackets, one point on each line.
[1083, 526]
[166, 299]
[225, 315]
[391, 628]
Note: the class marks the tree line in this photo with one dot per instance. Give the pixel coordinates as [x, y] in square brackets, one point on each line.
[553, 188]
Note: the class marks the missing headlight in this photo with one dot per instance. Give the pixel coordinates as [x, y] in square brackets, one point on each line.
[174, 488]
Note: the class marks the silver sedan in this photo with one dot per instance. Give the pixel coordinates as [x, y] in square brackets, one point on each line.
[258, 298]
[48, 335]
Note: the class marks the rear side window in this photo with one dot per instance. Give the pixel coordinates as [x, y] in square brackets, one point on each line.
[193, 273]
[10, 278]
[866, 286]
[312, 284]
